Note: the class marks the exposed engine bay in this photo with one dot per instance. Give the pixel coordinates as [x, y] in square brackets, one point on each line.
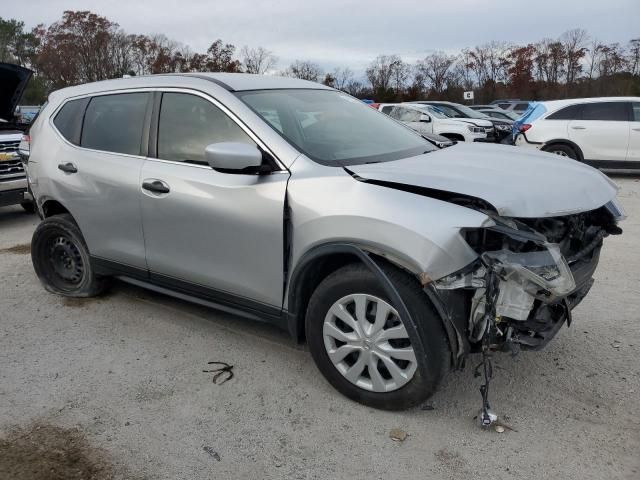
[529, 275]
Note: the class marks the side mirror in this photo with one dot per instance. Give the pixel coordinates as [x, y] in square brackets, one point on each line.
[425, 118]
[233, 156]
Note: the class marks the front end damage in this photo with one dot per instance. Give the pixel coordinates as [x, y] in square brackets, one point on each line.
[528, 277]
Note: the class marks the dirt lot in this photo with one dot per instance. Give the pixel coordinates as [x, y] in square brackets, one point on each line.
[115, 387]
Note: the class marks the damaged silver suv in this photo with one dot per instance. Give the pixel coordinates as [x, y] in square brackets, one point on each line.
[287, 201]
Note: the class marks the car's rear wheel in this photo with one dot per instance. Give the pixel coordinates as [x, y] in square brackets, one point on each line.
[562, 151]
[365, 349]
[61, 259]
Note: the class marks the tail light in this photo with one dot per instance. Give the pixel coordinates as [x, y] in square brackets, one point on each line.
[524, 127]
[24, 149]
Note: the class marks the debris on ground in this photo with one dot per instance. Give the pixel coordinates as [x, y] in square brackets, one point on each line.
[398, 435]
[499, 428]
[616, 344]
[224, 371]
[427, 406]
[211, 452]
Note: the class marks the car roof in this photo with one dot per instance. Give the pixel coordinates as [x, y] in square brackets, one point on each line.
[233, 82]
[552, 105]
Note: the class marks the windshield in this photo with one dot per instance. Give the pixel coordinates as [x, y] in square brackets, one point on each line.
[471, 113]
[334, 128]
[435, 111]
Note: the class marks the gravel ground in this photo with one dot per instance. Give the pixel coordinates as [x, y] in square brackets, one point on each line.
[125, 371]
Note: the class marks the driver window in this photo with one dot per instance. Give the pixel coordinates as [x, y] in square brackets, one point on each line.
[189, 123]
[409, 115]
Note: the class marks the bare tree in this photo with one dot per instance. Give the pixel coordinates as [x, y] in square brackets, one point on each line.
[380, 72]
[633, 57]
[463, 70]
[437, 68]
[574, 42]
[305, 70]
[354, 87]
[550, 60]
[612, 60]
[593, 56]
[341, 78]
[257, 60]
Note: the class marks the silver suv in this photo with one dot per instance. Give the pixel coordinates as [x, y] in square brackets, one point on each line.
[287, 201]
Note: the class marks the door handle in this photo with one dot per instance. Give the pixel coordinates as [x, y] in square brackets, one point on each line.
[155, 186]
[577, 127]
[67, 167]
[636, 129]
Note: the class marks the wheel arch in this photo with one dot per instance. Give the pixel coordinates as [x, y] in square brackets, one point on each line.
[454, 136]
[320, 261]
[52, 207]
[567, 142]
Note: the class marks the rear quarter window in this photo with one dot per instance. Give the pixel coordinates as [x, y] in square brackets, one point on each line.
[571, 112]
[68, 120]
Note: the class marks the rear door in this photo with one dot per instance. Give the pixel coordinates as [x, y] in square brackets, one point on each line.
[633, 153]
[602, 130]
[98, 174]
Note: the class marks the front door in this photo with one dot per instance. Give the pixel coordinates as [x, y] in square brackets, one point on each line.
[211, 230]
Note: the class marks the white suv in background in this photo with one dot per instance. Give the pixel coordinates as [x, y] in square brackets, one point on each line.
[603, 132]
[427, 119]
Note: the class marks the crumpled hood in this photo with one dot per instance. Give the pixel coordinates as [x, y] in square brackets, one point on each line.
[518, 182]
[13, 81]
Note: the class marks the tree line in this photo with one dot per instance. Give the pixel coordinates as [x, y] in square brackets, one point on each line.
[85, 47]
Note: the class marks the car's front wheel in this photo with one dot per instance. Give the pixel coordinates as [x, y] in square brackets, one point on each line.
[365, 349]
[61, 258]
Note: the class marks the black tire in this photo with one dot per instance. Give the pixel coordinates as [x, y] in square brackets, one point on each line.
[61, 259]
[562, 150]
[426, 335]
[28, 207]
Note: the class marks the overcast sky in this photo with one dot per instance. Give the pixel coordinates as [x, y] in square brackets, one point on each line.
[347, 32]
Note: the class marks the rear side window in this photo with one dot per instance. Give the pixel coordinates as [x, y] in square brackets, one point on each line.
[521, 107]
[567, 113]
[636, 111]
[68, 121]
[189, 123]
[114, 123]
[387, 109]
[611, 111]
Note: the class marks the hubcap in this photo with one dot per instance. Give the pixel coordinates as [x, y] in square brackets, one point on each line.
[65, 259]
[368, 344]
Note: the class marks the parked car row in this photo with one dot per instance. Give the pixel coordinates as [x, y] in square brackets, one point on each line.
[602, 132]
[426, 119]
[454, 121]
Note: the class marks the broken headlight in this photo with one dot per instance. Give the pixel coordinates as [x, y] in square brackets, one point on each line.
[545, 270]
